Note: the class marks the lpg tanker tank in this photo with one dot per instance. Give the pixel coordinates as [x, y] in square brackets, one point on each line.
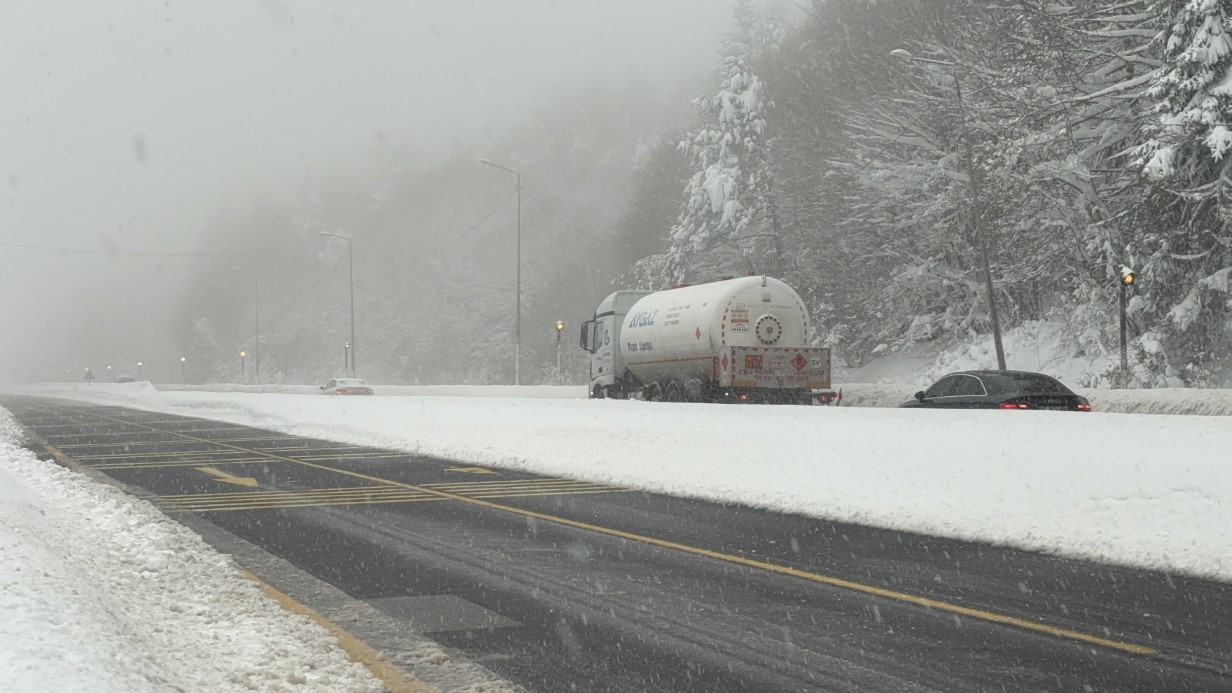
[739, 339]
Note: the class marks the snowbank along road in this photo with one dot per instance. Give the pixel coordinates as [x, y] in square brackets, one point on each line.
[1108, 487]
[559, 584]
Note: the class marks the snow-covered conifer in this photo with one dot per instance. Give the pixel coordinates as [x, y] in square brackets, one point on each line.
[729, 196]
[1193, 86]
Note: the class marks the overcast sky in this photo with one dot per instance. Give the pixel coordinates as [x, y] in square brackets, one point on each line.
[126, 125]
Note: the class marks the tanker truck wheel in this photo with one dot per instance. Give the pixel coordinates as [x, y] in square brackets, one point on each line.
[693, 390]
[672, 393]
[654, 393]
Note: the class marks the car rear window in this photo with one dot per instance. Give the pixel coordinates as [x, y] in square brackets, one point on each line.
[351, 383]
[1026, 383]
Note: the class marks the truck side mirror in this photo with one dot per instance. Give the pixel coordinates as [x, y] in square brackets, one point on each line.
[920, 395]
[585, 341]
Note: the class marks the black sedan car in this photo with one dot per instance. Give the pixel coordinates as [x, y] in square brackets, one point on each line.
[998, 390]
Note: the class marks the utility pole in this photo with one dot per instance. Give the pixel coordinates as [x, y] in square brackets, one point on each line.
[517, 320]
[256, 295]
[351, 273]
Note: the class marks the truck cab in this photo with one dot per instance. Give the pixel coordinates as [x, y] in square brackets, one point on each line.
[601, 338]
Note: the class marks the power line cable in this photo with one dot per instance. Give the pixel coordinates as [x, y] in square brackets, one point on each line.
[568, 225]
[475, 226]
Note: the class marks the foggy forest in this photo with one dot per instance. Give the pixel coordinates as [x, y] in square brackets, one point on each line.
[868, 153]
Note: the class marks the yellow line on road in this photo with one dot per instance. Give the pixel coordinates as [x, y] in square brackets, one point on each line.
[260, 497]
[543, 493]
[979, 614]
[176, 463]
[386, 488]
[119, 444]
[360, 457]
[283, 504]
[394, 678]
[226, 478]
[516, 483]
[60, 457]
[144, 455]
[102, 435]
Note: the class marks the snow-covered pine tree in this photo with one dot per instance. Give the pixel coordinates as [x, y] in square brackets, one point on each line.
[1188, 258]
[729, 204]
[1193, 88]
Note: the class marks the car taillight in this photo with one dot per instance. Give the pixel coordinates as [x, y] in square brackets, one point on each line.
[1083, 406]
[1014, 405]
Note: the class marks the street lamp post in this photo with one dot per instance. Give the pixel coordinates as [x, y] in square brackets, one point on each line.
[256, 313]
[1128, 277]
[517, 320]
[346, 356]
[243, 374]
[183, 363]
[560, 328]
[138, 370]
[351, 272]
[977, 199]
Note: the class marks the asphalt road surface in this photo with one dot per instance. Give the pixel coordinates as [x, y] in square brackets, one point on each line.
[564, 585]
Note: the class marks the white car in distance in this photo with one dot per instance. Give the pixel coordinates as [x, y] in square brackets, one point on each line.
[346, 386]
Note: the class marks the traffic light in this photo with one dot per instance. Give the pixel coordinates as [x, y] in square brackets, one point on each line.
[560, 325]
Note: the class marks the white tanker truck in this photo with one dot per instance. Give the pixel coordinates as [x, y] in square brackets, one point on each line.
[733, 340]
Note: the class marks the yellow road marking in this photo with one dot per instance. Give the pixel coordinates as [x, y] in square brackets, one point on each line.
[536, 493]
[100, 435]
[118, 444]
[250, 440]
[291, 505]
[144, 455]
[274, 499]
[359, 491]
[286, 504]
[286, 450]
[228, 478]
[354, 495]
[471, 470]
[394, 678]
[979, 614]
[512, 484]
[382, 488]
[176, 463]
[59, 456]
[360, 457]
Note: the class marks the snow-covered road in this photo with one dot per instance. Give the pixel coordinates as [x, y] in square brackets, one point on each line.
[101, 592]
[1140, 490]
